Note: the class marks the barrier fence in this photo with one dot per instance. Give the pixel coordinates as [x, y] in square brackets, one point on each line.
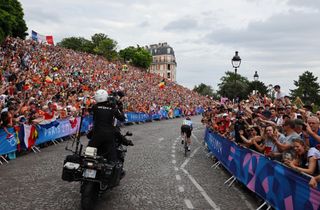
[280, 186]
[27, 136]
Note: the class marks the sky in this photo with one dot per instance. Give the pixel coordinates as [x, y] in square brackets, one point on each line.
[277, 38]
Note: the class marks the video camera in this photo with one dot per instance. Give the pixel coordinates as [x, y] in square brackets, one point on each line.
[114, 99]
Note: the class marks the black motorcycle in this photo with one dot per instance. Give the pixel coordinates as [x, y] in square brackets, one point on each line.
[95, 173]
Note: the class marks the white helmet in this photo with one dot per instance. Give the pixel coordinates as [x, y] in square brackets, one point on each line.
[101, 96]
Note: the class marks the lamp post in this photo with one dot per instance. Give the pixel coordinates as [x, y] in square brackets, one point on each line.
[235, 61]
[255, 78]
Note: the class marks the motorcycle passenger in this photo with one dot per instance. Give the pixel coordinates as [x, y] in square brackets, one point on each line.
[186, 129]
[104, 131]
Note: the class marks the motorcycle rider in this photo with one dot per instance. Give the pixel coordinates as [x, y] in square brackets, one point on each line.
[104, 131]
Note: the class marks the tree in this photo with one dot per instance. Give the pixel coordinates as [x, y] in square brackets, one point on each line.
[77, 44]
[11, 20]
[204, 90]
[259, 86]
[106, 48]
[142, 58]
[233, 85]
[99, 44]
[127, 53]
[97, 38]
[308, 88]
[138, 57]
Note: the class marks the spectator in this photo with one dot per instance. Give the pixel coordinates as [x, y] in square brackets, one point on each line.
[288, 128]
[268, 147]
[305, 160]
[279, 94]
[314, 181]
[313, 130]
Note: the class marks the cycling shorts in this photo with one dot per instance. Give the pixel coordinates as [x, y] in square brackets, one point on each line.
[186, 129]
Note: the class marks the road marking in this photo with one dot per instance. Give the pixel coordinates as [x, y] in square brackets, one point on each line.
[195, 138]
[188, 203]
[173, 155]
[201, 190]
[174, 161]
[176, 168]
[173, 151]
[178, 177]
[188, 159]
[181, 189]
[173, 147]
[161, 139]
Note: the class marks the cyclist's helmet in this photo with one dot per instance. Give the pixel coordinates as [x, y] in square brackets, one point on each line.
[188, 118]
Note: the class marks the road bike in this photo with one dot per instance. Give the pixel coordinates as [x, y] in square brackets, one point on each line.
[185, 145]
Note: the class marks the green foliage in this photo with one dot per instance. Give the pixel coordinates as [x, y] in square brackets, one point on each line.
[99, 44]
[127, 54]
[233, 85]
[203, 89]
[259, 86]
[11, 20]
[308, 88]
[75, 43]
[136, 56]
[107, 48]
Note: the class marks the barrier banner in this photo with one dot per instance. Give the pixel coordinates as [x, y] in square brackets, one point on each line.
[199, 110]
[136, 117]
[87, 123]
[63, 128]
[155, 116]
[163, 113]
[177, 113]
[8, 145]
[280, 186]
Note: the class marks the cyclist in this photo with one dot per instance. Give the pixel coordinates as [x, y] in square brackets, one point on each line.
[186, 129]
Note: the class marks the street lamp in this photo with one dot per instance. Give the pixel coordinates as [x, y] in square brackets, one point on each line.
[235, 61]
[255, 78]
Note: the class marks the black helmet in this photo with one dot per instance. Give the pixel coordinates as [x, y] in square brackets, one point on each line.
[188, 118]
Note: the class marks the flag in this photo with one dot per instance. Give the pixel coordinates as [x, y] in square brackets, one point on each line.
[162, 85]
[41, 38]
[73, 122]
[29, 135]
[48, 79]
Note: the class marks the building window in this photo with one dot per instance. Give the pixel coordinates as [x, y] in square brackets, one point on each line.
[168, 75]
[168, 50]
[168, 67]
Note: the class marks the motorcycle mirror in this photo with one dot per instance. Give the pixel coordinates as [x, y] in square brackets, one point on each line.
[128, 133]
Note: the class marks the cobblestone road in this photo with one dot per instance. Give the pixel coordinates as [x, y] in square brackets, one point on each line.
[158, 176]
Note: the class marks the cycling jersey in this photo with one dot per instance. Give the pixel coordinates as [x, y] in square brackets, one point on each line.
[187, 122]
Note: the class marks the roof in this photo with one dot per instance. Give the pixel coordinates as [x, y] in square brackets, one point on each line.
[161, 49]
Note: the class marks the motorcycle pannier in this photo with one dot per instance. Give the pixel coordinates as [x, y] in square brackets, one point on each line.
[70, 171]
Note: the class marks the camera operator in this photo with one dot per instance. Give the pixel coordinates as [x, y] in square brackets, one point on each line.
[116, 102]
[105, 114]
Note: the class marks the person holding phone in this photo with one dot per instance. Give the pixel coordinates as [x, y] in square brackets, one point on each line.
[305, 159]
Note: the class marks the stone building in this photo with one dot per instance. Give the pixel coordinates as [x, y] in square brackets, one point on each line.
[163, 60]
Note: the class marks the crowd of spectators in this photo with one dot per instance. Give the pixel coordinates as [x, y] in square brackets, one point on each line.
[41, 82]
[282, 129]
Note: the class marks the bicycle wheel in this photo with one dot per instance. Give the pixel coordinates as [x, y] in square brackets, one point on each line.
[185, 147]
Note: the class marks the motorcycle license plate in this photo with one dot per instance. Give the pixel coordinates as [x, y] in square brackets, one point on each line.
[90, 173]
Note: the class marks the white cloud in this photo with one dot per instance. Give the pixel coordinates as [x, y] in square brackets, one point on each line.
[279, 38]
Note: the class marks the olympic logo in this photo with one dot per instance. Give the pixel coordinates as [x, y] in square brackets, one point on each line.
[12, 141]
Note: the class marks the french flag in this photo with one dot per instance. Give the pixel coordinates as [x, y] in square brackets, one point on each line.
[29, 135]
[41, 38]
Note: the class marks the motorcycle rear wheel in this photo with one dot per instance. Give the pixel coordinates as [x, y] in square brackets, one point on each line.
[89, 195]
